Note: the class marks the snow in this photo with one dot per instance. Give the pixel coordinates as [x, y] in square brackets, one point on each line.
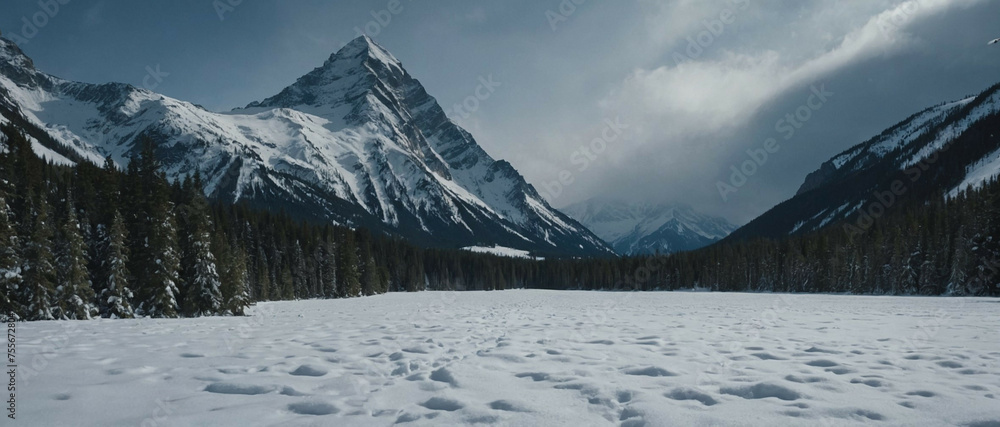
[798, 225]
[833, 215]
[501, 251]
[981, 172]
[527, 358]
[987, 107]
[836, 214]
[49, 155]
[913, 128]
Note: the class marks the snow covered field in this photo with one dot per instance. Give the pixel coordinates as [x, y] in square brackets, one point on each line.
[527, 358]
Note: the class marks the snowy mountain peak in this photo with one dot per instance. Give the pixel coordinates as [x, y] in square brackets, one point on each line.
[16, 65]
[364, 45]
[12, 55]
[360, 71]
[356, 141]
[646, 228]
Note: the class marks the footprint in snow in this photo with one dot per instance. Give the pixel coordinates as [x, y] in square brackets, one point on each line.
[870, 382]
[762, 391]
[821, 350]
[650, 371]
[840, 370]
[535, 376]
[407, 418]
[442, 404]
[767, 356]
[244, 389]
[313, 408]
[445, 376]
[822, 363]
[804, 380]
[691, 394]
[857, 414]
[508, 406]
[309, 371]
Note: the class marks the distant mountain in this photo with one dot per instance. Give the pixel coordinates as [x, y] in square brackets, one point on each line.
[642, 228]
[935, 153]
[357, 142]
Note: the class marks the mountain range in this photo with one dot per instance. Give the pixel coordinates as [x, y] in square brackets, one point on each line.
[937, 152]
[356, 141]
[359, 142]
[647, 229]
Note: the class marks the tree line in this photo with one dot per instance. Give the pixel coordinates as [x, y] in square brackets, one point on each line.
[94, 241]
[86, 241]
[948, 246]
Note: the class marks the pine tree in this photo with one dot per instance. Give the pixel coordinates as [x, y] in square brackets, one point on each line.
[263, 278]
[10, 263]
[369, 270]
[383, 280]
[299, 271]
[202, 295]
[109, 193]
[235, 282]
[286, 283]
[328, 267]
[347, 274]
[38, 293]
[156, 253]
[160, 296]
[414, 283]
[371, 278]
[115, 299]
[415, 273]
[74, 290]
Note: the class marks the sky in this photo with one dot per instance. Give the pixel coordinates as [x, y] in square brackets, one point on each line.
[634, 100]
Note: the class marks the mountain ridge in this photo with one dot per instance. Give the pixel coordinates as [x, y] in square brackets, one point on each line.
[936, 152]
[647, 228]
[357, 141]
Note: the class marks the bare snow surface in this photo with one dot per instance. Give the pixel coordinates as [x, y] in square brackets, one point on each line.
[527, 358]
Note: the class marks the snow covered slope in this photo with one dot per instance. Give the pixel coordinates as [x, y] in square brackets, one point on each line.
[526, 358]
[356, 141]
[501, 251]
[941, 150]
[643, 228]
[866, 155]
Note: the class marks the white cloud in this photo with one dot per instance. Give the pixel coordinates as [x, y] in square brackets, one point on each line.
[705, 96]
